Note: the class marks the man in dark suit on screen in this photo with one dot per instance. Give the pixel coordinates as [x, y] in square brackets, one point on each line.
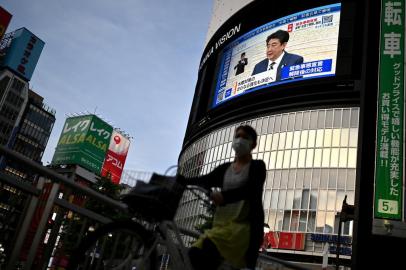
[277, 57]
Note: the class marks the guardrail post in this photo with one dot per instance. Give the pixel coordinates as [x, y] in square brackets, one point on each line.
[24, 227]
[41, 226]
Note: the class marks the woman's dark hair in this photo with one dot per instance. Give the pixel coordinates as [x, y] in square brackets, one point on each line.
[250, 131]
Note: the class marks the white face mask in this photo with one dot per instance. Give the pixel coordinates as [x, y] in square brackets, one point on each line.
[241, 146]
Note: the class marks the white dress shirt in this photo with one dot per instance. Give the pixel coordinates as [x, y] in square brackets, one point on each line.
[273, 71]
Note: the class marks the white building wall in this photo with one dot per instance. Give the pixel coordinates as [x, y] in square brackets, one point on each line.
[222, 11]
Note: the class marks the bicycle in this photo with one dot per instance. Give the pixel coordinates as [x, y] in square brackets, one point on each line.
[149, 236]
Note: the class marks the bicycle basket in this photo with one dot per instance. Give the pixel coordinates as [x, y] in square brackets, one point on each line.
[156, 200]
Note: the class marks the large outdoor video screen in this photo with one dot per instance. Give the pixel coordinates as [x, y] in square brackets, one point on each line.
[297, 47]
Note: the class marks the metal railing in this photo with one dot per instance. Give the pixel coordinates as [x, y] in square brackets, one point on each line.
[51, 182]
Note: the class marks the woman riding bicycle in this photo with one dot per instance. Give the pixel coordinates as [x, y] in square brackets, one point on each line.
[237, 231]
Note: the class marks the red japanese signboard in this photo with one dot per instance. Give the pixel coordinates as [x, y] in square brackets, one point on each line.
[5, 18]
[115, 157]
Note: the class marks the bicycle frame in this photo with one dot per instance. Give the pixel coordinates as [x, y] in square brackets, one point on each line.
[174, 244]
[176, 248]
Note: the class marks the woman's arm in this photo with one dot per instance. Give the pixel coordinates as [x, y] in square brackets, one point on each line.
[212, 179]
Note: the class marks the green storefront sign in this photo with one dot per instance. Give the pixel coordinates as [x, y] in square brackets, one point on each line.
[84, 141]
[390, 122]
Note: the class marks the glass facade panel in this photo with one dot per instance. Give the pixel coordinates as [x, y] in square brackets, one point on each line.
[341, 178]
[275, 140]
[289, 140]
[319, 137]
[328, 133]
[268, 142]
[303, 139]
[321, 221]
[336, 137]
[282, 137]
[296, 139]
[311, 138]
[274, 199]
[267, 199]
[282, 198]
[342, 163]
[284, 178]
[352, 158]
[326, 157]
[329, 227]
[353, 137]
[289, 199]
[302, 158]
[309, 158]
[350, 180]
[303, 221]
[295, 221]
[312, 221]
[305, 199]
[322, 200]
[279, 220]
[266, 159]
[271, 220]
[292, 178]
[317, 157]
[262, 141]
[315, 178]
[277, 126]
[293, 158]
[313, 200]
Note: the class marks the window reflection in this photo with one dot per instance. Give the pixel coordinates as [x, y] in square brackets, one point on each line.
[321, 221]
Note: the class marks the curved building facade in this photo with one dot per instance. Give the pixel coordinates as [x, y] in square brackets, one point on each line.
[307, 116]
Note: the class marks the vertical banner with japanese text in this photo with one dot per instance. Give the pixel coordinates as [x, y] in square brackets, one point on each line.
[390, 120]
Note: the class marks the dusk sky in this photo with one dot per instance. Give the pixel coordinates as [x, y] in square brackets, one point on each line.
[133, 62]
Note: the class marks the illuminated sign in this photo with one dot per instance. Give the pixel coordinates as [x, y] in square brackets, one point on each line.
[293, 48]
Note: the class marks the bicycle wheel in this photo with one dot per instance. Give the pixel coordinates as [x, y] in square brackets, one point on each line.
[118, 245]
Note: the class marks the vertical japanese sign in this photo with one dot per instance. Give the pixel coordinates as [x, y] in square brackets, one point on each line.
[115, 157]
[390, 123]
[24, 52]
